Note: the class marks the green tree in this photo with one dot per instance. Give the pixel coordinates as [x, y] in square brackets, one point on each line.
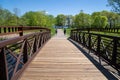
[11, 21]
[96, 21]
[29, 19]
[100, 22]
[104, 21]
[60, 20]
[113, 18]
[39, 18]
[115, 4]
[50, 20]
[82, 20]
[7, 18]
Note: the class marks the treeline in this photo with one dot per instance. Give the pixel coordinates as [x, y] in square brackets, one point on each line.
[40, 18]
[96, 19]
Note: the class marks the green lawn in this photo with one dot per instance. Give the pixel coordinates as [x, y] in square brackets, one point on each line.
[52, 31]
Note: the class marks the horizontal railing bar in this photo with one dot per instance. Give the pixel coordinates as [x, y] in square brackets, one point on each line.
[15, 39]
[5, 30]
[25, 27]
[108, 36]
[17, 32]
[96, 29]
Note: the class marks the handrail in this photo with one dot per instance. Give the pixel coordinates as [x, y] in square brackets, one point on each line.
[105, 46]
[16, 53]
[5, 30]
[110, 30]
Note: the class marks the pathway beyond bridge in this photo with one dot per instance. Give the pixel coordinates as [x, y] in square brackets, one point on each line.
[59, 59]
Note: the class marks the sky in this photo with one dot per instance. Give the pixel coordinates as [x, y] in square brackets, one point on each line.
[55, 7]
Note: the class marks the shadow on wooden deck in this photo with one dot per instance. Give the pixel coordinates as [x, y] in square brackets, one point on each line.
[100, 67]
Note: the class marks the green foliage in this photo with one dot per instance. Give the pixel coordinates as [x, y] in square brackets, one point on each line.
[100, 21]
[96, 21]
[103, 21]
[110, 19]
[7, 18]
[68, 31]
[82, 20]
[60, 20]
[38, 18]
[52, 31]
[50, 21]
[115, 4]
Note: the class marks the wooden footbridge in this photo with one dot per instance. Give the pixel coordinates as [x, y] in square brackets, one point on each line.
[36, 56]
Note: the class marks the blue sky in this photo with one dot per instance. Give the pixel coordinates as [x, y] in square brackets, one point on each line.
[55, 7]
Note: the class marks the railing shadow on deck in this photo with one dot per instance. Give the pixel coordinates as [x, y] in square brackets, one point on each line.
[100, 67]
[16, 53]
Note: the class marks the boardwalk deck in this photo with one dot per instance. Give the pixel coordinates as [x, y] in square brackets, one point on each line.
[61, 60]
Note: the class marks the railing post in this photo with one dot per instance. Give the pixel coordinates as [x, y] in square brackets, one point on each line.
[79, 37]
[98, 47]
[44, 37]
[83, 39]
[0, 29]
[21, 31]
[34, 45]
[5, 29]
[3, 65]
[25, 55]
[12, 29]
[15, 29]
[114, 53]
[8, 29]
[89, 42]
[98, 44]
[40, 40]
[75, 36]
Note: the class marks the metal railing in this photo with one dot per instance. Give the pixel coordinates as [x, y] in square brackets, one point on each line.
[106, 47]
[16, 53]
[5, 30]
[109, 30]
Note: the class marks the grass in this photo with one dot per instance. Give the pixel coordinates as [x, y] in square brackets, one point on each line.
[68, 30]
[52, 31]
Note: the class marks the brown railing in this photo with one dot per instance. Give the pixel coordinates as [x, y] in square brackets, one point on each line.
[106, 47]
[10, 30]
[16, 53]
[109, 30]
[5, 30]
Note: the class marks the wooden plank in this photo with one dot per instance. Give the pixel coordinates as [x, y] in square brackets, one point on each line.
[61, 60]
